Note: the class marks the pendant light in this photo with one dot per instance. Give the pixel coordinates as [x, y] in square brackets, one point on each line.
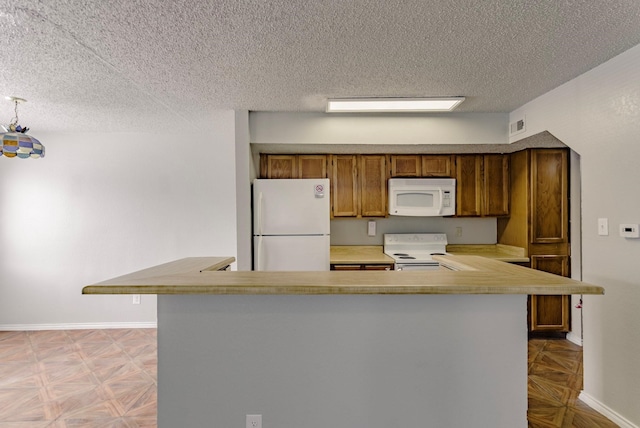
[14, 142]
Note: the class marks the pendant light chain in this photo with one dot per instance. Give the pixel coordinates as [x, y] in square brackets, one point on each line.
[14, 121]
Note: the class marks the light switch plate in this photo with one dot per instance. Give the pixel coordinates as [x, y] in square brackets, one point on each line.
[371, 228]
[603, 226]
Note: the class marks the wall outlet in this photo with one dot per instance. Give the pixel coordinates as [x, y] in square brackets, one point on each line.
[136, 299]
[254, 421]
[603, 226]
[458, 232]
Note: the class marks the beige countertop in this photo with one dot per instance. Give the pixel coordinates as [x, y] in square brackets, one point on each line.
[372, 254]
[358, 254]
[505, 253]
[471, 275]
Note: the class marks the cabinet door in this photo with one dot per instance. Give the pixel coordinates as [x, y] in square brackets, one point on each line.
[550, 313]
[377, 267]
[549, 197]
[346, 267]
[495, 185]
[373, 185]
[468, 185]
[437, 166]
[278, 166]
[312, 166]
[406, 165]
[344, 186]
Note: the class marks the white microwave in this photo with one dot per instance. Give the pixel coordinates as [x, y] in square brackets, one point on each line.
[422, 197]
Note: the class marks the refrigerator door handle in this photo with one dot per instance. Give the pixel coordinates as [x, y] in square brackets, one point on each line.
[260, 213]
[260, 251]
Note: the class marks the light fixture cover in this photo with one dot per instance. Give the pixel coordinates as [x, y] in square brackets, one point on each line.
[15, 143]
[390, 105]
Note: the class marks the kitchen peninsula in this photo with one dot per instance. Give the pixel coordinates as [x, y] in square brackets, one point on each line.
[342, 348]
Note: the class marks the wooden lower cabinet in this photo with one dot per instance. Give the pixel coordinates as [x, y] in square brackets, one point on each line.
[550, 313]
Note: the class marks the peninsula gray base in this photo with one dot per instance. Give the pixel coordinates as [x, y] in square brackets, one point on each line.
[342, 361]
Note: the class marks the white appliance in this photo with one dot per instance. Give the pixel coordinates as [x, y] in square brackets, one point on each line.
[291, 224]
[424, 197]
[414, 251]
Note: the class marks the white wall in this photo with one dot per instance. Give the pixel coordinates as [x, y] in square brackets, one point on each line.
[380, 129]
[598, 115]
[102, 205]
[244, 175]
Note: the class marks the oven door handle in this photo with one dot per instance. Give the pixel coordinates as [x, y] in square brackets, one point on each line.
[418, 266]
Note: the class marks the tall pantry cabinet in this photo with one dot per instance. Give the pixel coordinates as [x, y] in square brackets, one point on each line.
[539, 222]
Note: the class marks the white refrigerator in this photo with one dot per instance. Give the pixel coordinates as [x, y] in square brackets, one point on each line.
[291, 224]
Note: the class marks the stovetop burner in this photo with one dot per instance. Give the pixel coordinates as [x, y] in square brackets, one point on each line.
[407, 248]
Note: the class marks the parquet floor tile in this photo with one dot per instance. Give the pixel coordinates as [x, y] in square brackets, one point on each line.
[78, 378]
[108, 379]
[555, 381]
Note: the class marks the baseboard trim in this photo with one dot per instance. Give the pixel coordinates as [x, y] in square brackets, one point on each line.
[574, 338]
[77, 326]
[606, 411]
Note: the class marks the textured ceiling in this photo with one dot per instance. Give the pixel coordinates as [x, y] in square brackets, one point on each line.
[156, 64]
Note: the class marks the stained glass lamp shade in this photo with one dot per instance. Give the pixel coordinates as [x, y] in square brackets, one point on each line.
[16, 143]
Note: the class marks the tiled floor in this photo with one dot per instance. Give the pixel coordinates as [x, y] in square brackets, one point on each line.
[108, 378]
[78, 378]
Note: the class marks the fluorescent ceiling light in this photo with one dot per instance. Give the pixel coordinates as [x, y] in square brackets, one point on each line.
[357, 105]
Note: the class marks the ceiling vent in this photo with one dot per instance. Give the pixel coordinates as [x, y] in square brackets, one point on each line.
[517, 127]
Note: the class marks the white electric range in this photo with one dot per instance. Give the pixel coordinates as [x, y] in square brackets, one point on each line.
[414, 251]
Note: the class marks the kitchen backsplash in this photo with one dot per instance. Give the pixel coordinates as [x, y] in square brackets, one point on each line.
[458, 230]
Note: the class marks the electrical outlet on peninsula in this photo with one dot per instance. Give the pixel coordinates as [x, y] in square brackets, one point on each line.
[254, 421]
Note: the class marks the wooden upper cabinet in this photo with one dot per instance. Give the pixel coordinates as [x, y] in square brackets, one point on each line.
[406, 165]
[468, 185]
[549, 196]
[344, 186]
[278, 166]
[495, 185]
[312, 166]
[293, 166]
[482, 185]
[438, 165]
[422, 165]
[373, 185]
